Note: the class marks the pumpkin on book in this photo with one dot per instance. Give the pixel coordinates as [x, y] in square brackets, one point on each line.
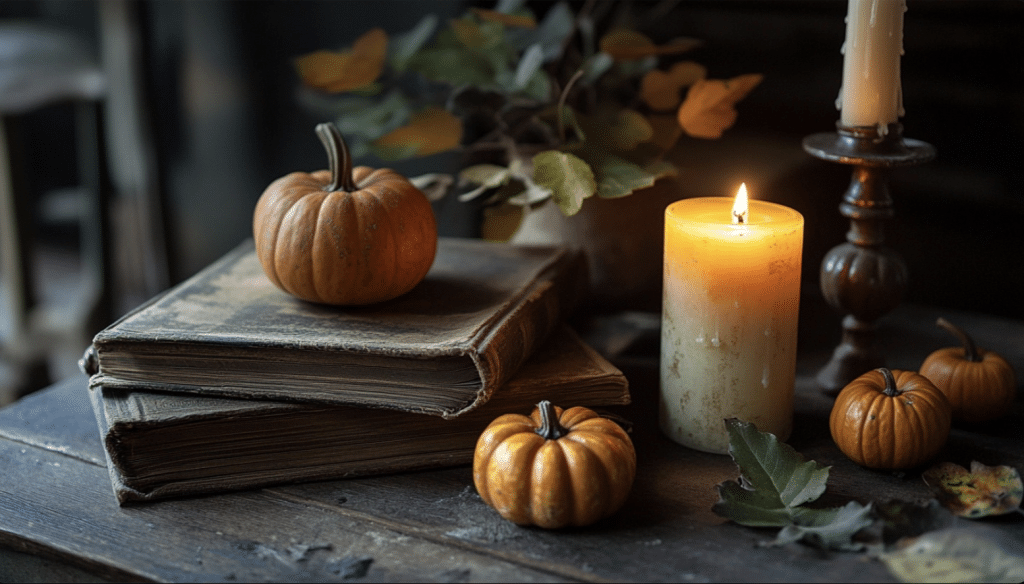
[344, 236]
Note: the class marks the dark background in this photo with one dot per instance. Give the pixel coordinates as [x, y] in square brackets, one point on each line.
[221, 90]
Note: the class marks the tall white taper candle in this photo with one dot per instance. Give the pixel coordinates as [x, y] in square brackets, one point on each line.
[871, 94]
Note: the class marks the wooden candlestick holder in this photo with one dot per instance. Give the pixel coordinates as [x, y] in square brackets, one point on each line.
[862, 278]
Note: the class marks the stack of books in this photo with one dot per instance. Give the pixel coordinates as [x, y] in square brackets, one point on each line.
[225, 382]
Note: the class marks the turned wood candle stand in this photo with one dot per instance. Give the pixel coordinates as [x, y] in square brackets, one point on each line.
[862, 278]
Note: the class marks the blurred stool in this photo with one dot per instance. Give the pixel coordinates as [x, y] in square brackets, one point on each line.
[41, 66]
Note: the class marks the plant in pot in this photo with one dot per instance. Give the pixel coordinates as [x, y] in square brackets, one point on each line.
[564, 120]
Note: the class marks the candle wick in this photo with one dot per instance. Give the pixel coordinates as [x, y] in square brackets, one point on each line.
[739, 218]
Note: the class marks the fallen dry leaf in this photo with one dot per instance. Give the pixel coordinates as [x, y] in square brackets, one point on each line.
[980, 492]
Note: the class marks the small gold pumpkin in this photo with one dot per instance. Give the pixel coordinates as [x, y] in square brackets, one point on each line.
[554, 468]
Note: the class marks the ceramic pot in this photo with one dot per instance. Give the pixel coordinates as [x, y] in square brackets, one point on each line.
[623, 240]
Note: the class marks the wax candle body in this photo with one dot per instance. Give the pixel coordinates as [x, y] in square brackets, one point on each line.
[871, 93]
[729, 320]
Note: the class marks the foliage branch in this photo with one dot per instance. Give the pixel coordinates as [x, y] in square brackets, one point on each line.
[545, 109]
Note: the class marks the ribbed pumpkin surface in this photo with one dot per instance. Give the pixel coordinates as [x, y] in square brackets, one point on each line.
[878, 430]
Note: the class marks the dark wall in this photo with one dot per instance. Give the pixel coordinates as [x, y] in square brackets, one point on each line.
[228, 123]
[959, 218]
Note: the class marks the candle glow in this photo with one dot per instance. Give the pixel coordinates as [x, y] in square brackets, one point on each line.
[729, 315]
[740, 206]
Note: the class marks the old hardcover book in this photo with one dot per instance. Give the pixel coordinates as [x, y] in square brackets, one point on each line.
[440, 349]
[164, 445]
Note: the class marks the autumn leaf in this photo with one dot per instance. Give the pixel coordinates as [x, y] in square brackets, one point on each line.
[954, 555]
[660, 89]
[336, 72]
[468, 32]
[628, 45]
[430, 131]
[709, 106]
[569, 179]
[980, 492]
[510, 20]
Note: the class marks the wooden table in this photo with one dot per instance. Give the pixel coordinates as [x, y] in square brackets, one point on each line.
[59, 519]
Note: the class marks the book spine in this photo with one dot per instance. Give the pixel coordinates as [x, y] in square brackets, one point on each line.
[526, 328]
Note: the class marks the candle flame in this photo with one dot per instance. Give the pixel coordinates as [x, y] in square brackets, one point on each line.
[739, 208]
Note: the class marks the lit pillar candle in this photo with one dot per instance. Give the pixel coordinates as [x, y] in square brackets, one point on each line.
[729, 318]
[871, 93]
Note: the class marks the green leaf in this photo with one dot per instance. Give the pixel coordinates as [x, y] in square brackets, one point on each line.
[617, 177]
[740, 504]
[954, 555]
[403, 46]
[627, 129]
[557, 25]
[832, 528]
[529, 64]
[596, 66]
[486, 176]
[372, 118]
[774, 481]
[453, 65]
[569, 178]
[774, 468]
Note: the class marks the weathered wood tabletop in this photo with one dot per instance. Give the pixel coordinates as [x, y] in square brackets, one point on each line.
[59, 520]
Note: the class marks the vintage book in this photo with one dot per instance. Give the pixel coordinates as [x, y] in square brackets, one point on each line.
[440, 349]
[163, 445]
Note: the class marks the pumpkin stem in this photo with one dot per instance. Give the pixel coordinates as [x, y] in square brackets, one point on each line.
[890, 382]
[549, 429]
[970, 349]
[338, 159]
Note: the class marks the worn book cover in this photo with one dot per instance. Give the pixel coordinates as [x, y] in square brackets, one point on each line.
[162, 444]
[440, 349]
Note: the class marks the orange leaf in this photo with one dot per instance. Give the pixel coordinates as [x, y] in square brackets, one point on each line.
[336, 72]
[708, 109]
[660, 89]
[511, 20]
[468, 33]
[430, 131]
[627, 45]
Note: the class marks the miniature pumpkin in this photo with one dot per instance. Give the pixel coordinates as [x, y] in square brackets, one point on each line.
[344, 236]
[980, 384]
[890, 419]
[554, 468]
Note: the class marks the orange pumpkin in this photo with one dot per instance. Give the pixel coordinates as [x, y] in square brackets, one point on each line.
[344, 236]
[980, 384]
[554, 468]
[890, 419]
